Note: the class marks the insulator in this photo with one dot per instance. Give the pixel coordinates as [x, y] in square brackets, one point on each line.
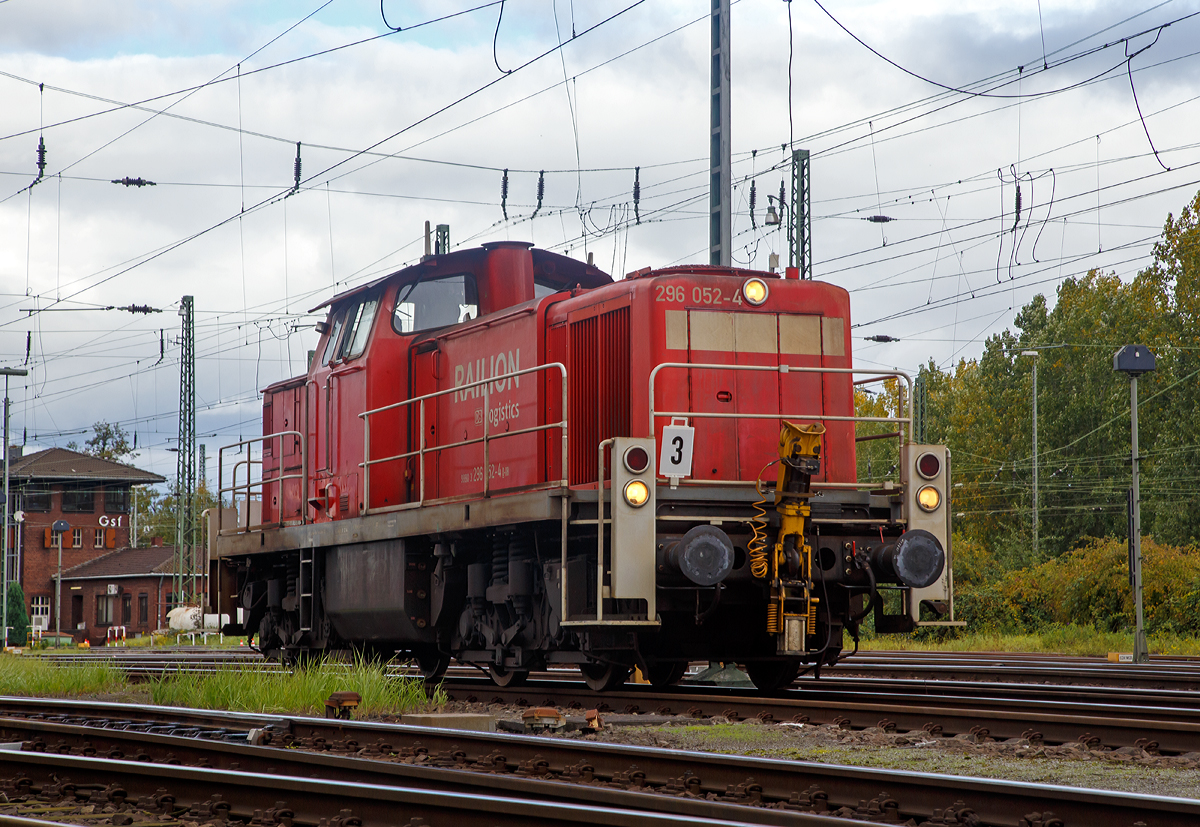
[782, 196]
[41, 157]
[753, 199]
[878, 219]
[504, 195]
[1017, 222]
[541, 192]
[296, 170]
[637, 194]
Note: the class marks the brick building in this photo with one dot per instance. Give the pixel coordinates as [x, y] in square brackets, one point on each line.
[126, 592]
[92, 494]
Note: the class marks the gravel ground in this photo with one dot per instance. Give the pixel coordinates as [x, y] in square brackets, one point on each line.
[1127, 769]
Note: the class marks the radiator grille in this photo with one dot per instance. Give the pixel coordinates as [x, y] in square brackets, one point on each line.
[599, 379]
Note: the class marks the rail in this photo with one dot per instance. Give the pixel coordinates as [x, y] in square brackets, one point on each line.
[423, 448]
[245, 492]
[875, 375]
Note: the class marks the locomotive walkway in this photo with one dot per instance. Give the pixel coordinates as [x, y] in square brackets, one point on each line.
[207, 767]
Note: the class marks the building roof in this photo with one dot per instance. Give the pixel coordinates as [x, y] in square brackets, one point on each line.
[63, 464]
[125, 562]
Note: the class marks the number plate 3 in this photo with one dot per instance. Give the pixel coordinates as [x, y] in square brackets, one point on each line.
[675, 454]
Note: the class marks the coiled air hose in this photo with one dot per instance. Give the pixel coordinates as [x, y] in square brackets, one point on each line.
[759, 546]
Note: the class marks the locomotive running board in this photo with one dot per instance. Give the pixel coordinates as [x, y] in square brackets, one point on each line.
[534, 506]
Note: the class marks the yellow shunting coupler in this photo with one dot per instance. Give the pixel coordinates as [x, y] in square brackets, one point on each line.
[792, 611]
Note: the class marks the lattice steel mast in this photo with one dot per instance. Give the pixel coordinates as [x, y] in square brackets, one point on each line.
[720, 188]
[185, 469]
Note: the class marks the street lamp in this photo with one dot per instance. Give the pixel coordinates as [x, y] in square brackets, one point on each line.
[1135, 360]
[59, 528]
[7, 372]
[1034, 354]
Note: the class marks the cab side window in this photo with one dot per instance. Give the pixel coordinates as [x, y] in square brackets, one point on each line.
[358, 326]
[435, 303]
[350, 329]
[334, 334]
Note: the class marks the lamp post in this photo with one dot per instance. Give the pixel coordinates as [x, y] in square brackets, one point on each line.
[7, 372]
[1034, 354]
[1135, 360]
[59, 528]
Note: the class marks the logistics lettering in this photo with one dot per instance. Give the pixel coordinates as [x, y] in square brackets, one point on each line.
[499, 365]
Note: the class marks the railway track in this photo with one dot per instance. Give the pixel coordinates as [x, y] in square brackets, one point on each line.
[1157, 720]
[1168, 730]
[1182, 674]
[389, 774]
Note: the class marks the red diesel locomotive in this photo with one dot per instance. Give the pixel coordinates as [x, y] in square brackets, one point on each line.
[503, 456]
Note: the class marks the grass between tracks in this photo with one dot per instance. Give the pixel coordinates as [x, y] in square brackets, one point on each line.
[34, 677]
[242, 688]
[1054, 638]
[247, 688]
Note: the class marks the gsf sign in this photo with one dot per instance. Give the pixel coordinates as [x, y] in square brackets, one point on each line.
[111, 522]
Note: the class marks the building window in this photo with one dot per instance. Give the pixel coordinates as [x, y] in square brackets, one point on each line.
[126, 609]
[104, 609]
[77, 538]
[39, 611]
[116, 500]
[143, 609]
[81, 500]
[99, 541]
[36, 497]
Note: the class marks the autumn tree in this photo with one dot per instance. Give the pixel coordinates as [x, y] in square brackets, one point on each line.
[983, 411]
[108, 441]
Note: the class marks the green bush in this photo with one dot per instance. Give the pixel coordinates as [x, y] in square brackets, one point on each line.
[18, 618]
[1087, 587]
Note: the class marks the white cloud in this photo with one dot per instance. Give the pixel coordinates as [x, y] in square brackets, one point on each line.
[647, 109]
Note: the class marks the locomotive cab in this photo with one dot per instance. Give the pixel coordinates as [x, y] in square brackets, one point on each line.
[502, 456]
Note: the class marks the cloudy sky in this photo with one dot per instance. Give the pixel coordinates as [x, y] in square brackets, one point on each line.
[962, 104]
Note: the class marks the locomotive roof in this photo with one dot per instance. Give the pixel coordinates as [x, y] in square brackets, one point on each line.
[552, 266]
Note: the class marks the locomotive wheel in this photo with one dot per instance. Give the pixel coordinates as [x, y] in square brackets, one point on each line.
[602, 677]
[507, 677]
[666, 673]
[770, 675]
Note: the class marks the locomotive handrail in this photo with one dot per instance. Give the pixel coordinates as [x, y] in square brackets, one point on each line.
[247, 488]
[876, 375]
[423, 448]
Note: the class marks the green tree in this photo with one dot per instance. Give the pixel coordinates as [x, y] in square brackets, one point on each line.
[18, 618]
[156, 515]
[108, 441]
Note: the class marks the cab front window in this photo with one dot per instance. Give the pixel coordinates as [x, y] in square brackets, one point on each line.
[435, 303]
